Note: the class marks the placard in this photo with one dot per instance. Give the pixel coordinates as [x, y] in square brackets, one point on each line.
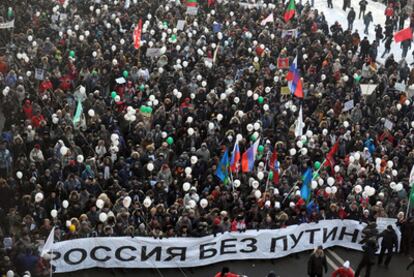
[153, 52]
[180, 25]
[349, 105]
[39, 74]
[192, 10]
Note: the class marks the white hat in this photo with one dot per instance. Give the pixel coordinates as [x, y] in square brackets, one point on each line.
[346, 264]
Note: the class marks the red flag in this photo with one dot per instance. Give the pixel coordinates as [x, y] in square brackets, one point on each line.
[404, 34]
[137, 35]
[210, 3]
[330, 161]
[282, 63]
[274, 166]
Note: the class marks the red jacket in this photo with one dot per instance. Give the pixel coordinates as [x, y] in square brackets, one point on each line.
[343, 272]
[227, 275]
[389, 11]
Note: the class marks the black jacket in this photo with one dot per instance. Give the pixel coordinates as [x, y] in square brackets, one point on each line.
[389, 239]
[317, 264]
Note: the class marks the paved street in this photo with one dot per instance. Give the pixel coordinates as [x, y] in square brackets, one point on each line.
[285, 267]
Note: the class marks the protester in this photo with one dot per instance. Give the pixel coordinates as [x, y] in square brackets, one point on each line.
[317, 264]
[344, 271]
[225, 272]
[389, 241]
[368, 257]
[107, 136]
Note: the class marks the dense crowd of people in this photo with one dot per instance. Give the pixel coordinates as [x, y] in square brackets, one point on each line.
[102, 139]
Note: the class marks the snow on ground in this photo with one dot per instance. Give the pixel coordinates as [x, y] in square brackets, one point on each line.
[377, 9]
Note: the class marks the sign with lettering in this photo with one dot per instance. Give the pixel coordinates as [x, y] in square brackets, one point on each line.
[145, 252]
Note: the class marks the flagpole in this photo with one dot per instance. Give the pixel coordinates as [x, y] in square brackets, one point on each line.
[408, 206]
[268, 175]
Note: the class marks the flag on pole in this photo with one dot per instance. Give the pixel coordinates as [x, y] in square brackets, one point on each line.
[137, 35]
[305, 190]
[330, 161]
[235, 158]
[222, 171]
[191, 3]
[210, 3]
[49, 242]
[290, 11]
[404, 34]
[269, 18]
[294, 80]
[274, 166]
[78, 113]
[299, 124]
[249, 156]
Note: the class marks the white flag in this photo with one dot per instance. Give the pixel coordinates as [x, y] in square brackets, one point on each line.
[49, 242]
[267, 19]
[299, 124]
[411, 180]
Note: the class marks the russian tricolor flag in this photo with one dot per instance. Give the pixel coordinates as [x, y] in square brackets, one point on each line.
[235, 158]
[294, 81]
[249, 156]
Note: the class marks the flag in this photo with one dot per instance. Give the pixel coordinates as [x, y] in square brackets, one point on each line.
[222, 171]
[49, 242]
[290, 12]
[78, 113]
[299, 124]
[330, 161]
[305, 190]
[191, 3]
[269, 18]
[294, 81]
[137, 35]
[210, 3]
[249, 156]
[235, 158]
[282, 63]
[404, 34]
[274, 166]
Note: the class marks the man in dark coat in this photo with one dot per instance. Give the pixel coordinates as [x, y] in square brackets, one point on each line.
[351, 17]
[317, 263]
[389, 241]
[368, 258]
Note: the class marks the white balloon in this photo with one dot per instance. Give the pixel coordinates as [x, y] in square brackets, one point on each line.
[53, 213]
[390, 164]
[150, 167]
[346, 124]
[65, 204]
[103, 217]
[193, 159]
[190, 131]
[337, 168]
[38, 197]
[147, 202]
[126, 202]
[237, 183]
[100, 203]
[219, 117]
[334, 190]
[357, 156]
[19, 174]
[114, 137]
[260, 175]
[314, 184]
[188, 170]
[377, 161]
[394, 172]
[292, 151]
[299, 144]
[164, 135]
[358, 188]
[186, 186]
[91, 113]
[328, 190]
[256, 126]
[80, 159]
[258, 194]
[203, 203]
[10, 273]
[304, 151]
[321, 181]
[192, 204]
[324, 132]
[331, 181]
[68, 223]
[63, 150]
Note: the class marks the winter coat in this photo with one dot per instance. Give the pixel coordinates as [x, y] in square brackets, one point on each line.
[316, 264]
[389, 239]
[343, 272]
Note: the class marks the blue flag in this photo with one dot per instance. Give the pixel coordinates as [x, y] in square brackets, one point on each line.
[222, 171]
[305, 191]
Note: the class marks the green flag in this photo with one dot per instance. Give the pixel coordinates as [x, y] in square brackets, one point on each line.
[78, 113]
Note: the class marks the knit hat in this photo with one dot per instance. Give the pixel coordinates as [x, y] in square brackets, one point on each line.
[346, 264]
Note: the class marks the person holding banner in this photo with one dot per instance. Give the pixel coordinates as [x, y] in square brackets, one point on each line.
[389, 241]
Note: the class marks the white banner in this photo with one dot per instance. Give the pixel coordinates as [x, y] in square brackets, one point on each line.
[145, 252]
[7, 25]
